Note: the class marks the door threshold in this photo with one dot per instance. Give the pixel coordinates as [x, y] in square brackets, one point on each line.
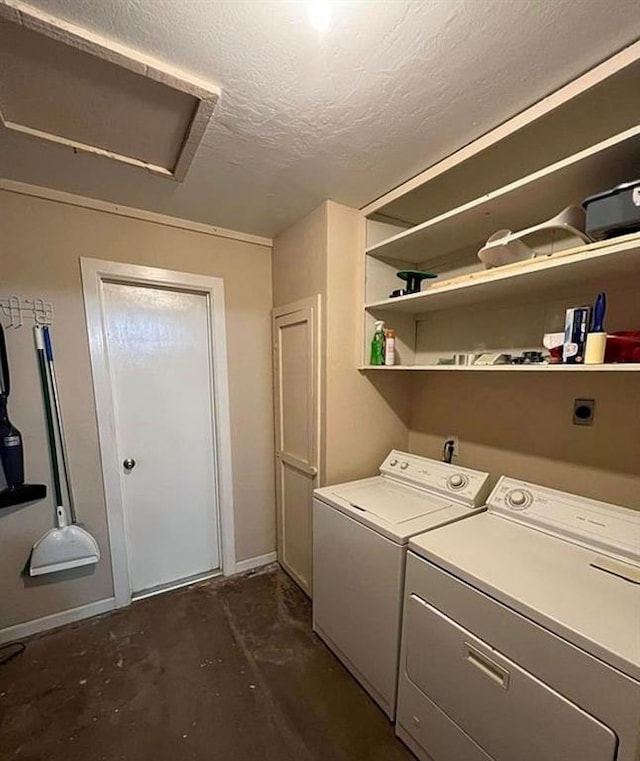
[170, 586]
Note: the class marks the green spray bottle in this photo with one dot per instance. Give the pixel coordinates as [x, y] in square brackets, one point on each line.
[377, 344]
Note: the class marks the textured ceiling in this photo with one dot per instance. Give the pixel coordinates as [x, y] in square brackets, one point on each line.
[347, 114]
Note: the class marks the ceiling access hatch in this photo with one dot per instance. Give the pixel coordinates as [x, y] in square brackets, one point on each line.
[66, 85]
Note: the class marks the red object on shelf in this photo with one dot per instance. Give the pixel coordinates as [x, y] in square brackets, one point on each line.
[623, 346]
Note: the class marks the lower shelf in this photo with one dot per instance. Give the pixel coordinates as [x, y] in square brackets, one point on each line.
[22, 494]
[509, 368]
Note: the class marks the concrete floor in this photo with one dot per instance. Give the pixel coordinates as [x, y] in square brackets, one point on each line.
[225, 671]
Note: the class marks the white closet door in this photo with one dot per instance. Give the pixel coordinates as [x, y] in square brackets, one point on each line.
[297, 405]
[158, 353]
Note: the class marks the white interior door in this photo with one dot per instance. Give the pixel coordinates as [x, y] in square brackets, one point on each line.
[160, 367]
[297, 408]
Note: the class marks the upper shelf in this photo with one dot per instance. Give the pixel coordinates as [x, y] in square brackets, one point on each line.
[520, 204]
[613, 258]
[600, 103]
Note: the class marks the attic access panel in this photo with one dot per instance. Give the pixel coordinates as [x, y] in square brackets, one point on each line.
[65, 85]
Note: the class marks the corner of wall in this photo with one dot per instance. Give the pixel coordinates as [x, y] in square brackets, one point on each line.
[299, 257]
[366, 417]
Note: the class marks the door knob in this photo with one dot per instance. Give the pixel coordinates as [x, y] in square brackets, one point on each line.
[129, 464]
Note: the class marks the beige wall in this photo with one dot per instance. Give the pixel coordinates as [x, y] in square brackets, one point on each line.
[299, 272]
[366, 414]
[515, 424]
[42, 242]
[300, 259]
[522, 427]
[362, 416]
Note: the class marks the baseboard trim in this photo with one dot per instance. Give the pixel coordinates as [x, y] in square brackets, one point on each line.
[37, 625]
[257, 562]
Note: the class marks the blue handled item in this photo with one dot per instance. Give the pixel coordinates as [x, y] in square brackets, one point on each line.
[599, 311]
[68, 545]
[48, 350]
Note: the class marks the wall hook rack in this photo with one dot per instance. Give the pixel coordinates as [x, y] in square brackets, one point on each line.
[16, 310]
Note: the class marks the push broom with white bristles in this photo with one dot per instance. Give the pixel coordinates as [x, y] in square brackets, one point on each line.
[68, 545]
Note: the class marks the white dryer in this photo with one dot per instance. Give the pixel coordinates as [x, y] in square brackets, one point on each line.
[521, 633]
[360, 535]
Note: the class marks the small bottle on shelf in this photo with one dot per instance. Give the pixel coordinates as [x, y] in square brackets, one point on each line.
[389, 346]
[377, 345]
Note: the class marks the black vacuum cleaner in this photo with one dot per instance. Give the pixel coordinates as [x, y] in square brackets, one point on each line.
[11, 453]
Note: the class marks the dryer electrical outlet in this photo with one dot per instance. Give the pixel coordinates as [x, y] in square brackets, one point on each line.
[583, 411]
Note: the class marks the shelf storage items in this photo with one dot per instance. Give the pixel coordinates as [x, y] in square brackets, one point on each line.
[542, 367]
[581, 140]
[520, 204]
[619, 257]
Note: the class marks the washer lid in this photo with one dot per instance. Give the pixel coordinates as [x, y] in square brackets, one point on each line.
[394, 510]
[558, 584]
[392, 503]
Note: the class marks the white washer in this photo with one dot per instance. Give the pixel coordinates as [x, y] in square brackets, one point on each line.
[360, 535]
[521, 633]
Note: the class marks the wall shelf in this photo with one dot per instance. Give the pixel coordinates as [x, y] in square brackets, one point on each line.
[613, 368]
[580, 140]
[598, 104]
[518, 205]
[22, 494]
[618, 257]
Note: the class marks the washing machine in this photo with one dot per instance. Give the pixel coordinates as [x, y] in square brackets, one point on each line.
[521, 633]
[360, 535]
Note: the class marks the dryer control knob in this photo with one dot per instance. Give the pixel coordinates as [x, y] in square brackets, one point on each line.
[457, 481]
[404, 465]
[518, 499]
[393, 463]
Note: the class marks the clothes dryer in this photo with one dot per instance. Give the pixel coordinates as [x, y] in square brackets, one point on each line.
[521, 632]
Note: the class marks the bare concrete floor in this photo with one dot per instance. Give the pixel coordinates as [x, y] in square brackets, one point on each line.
[225, 671]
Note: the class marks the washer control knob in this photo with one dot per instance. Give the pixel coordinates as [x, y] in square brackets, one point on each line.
[518, 499]
[457, 481]
[393, 463]
[404, 465]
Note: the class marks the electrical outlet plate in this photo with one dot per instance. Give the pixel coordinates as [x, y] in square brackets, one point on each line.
[583, 411]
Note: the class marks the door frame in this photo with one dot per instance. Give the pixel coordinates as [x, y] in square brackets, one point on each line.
[94, 272]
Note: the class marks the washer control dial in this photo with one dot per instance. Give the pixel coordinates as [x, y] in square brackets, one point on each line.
[457, 481]
[404, 465]
[393, 463]
[519, 499]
